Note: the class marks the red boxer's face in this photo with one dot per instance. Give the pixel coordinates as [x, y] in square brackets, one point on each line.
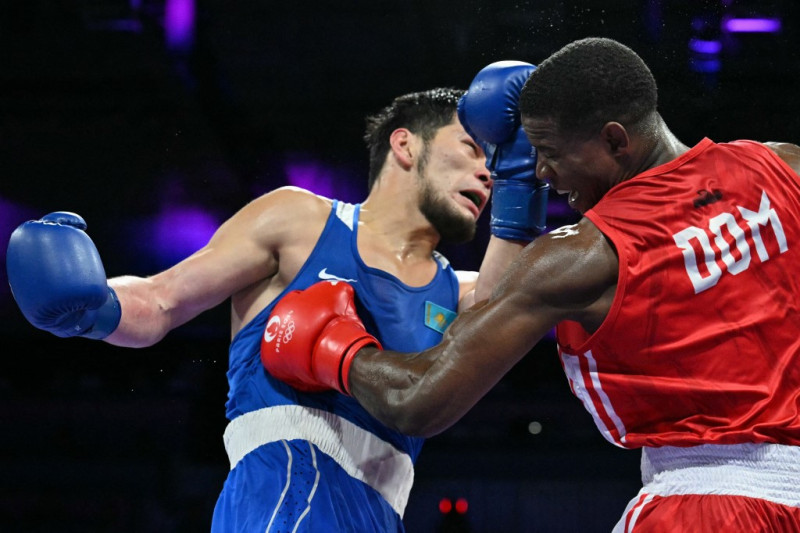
[577, 166]
[455, 183]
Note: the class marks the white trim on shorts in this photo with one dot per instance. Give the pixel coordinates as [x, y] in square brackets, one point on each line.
[360, 453]
[765, 471]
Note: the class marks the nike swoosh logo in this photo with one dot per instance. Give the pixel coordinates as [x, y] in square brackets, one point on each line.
[323, 274]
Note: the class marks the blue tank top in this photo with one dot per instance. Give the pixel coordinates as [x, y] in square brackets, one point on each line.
[403, 318]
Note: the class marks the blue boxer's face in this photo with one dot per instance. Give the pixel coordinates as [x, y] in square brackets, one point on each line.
[455, 183]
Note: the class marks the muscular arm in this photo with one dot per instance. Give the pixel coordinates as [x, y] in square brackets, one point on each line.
[243, 251]
[788, 152]
[499, 255]
[570, 273]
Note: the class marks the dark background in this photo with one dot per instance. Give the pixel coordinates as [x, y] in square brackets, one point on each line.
[157, 119]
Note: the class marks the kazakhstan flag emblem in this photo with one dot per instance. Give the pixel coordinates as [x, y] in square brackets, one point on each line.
[437, 317]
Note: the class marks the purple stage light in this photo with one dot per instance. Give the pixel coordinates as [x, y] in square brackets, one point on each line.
[312, 176]
[704, 46]
[11, 216]
[342, 180]
[705, 65]
[751, 25]
[179, 231]
[179, 16]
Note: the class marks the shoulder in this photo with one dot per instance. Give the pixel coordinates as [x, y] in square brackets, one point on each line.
[789, 152]
[290, 200]
[567, 271]
[579, 253]
[279, 216]
[286, 207]
[466, 277]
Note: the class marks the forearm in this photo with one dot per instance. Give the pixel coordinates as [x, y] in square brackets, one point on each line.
[388, 391]
[425, 393]
[145, 319]
[153, 306]
[499, 255]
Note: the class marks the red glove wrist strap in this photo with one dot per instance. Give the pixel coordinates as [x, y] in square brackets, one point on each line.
[334, 352]
[347, 360]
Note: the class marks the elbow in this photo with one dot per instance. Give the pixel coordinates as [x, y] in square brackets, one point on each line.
[416, 420]
[126, 338]
[419, 428]
[401, 396]
[414, 427]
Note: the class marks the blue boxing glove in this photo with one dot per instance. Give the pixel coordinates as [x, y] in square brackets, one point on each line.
[58, 280]
[489, 112]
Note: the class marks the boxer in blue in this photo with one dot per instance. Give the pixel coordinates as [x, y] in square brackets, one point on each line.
[304, 459]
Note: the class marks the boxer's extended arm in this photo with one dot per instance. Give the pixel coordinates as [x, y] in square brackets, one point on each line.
[243, 251]
[570, 273]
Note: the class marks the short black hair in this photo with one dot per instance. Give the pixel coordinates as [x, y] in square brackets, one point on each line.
[588, 83]
[423, 113]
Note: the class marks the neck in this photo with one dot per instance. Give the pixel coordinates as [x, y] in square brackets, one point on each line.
[390, 215]
[659, 146]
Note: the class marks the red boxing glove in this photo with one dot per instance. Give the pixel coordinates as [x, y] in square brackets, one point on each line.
[312, 337]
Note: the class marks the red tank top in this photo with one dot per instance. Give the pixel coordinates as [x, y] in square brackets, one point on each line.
[702, 342]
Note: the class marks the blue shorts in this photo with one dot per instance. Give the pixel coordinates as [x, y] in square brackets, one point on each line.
[291, 485]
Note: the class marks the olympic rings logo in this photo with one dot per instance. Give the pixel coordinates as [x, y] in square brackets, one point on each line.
[287, 335]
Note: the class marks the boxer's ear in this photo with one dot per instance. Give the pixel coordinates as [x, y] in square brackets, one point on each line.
[616, 138]
[403, 147]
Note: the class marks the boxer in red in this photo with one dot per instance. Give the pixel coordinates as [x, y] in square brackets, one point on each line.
[676, 300]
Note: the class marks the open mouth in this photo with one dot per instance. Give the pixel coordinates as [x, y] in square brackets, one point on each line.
[572, 196]
[473, 197]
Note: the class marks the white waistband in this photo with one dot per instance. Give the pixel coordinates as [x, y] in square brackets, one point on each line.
[767, 471]
[360, 453]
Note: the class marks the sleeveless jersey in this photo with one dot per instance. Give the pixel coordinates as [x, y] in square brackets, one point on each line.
[392, 311]
[702, 342]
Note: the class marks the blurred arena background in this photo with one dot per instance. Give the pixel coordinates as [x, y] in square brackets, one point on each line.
[157, 119]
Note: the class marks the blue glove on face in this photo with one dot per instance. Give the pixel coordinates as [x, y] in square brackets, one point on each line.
[489, 113]
[58, 280]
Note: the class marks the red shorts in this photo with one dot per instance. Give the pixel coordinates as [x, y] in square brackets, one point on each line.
[749, 488]
[701, 513]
